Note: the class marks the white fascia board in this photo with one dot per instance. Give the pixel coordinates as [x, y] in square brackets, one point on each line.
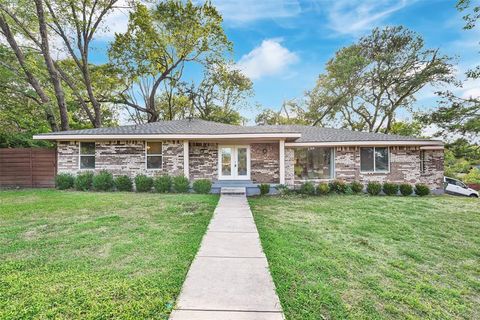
[71, 137]
[366, 143]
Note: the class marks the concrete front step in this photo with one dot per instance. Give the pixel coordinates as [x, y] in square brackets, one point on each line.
[233, 190]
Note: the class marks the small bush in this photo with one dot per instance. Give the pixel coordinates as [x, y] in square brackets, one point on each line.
[338, 186]
[163, 184]
[84, 181]
[307, 188]
[143, 183]
[202, 186]
[283, 189]
[374, 188]
[180, 184]
[406, 189]
[473, 176]
[103, 181]
[64, 181]
[264, 188]
[356, 187]
[422, 190]
[323, 188]
[123, 183]
[390, 189]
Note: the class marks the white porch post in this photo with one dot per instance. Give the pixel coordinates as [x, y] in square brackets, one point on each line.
[282, 161]
[186, 171]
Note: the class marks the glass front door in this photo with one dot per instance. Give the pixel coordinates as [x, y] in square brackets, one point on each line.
[234, 162]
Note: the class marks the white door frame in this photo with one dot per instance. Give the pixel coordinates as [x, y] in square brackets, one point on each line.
[234, 163]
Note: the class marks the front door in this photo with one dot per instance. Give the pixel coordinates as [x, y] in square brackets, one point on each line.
[234, 162]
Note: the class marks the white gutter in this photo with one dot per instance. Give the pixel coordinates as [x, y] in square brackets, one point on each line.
[366, 143]
[71, 137]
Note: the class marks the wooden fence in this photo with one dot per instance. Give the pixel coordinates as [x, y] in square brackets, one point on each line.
[28, 167]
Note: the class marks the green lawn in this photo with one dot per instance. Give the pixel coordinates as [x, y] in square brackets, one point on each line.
[359, 257]
[69, 255]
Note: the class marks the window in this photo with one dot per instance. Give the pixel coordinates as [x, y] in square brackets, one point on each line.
[313, 163]
[422, 161]
[154, 155]
[374, 159]
[87, 155]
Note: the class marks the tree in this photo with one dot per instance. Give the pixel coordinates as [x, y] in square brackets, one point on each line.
[405, 128]
[158, 44]
[367, 83]
[290, 113]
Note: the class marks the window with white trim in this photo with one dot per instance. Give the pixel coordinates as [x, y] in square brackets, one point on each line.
[154, 155]
[87, 155]
[374, 159]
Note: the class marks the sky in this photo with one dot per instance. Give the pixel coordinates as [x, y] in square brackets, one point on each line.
[283, 45]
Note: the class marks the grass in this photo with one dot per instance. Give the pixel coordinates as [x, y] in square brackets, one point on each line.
[359, 257]
[69, 255]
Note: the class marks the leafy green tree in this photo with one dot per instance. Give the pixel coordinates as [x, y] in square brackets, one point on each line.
[405, 128]
[290, 113]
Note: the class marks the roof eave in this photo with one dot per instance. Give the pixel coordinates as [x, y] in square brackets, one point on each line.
[367, 143]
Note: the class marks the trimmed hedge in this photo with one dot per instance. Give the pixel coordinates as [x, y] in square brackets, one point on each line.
[103, 181]
[323, 188]
[406, 189]
[307, 188]
[180, 184]
[422, 190]
[374, 188]
[84, 181]
[338, 186]
[143, 183]
[356, 187]
[163, 184]
[202, 186]
[390, 189]
[123, 183]
[64, 181]
[264, 188]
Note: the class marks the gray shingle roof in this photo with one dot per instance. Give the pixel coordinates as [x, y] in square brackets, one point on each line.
[196, 126]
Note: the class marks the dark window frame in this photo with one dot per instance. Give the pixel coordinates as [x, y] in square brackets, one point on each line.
[375, 170]
[88, 155]
[315, 175]
[153, 155]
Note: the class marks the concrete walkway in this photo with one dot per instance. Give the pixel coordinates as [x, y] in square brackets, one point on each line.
[229, 278]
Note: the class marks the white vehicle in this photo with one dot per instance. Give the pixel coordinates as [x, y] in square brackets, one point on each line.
[456, 187]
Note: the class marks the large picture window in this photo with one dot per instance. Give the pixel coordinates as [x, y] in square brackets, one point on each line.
[374, 159]
[313, 163]
[87, 155]
[154, 155]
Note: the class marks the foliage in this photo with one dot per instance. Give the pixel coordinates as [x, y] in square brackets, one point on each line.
[323, 188]
[163, 183]
[473, 176]
[455, 166]
[103, 181]
[422, 190]
[123, 183]
[64, 181]
[406, 189]
[264, 188]
[290, 113]
[307, 188]
[143, 183]
[374, 188]
[409, 129]
[390, 189]
[338, 186]
[356, 187]
[202, 186]
[180, 184]
[283, 189]
[84, 181]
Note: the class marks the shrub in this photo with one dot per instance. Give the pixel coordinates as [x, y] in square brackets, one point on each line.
[422, 190]
[390, 189]
[264, 188]
[123, 183]
[283, 189]
[374, 188]
[84, 181]
[180, 184]
[307, 188]
[64, 181]
[473, 176]
[323, 188]
[338, 186]
[406, 189]
[163, 184]
[103, 181]
[202, 186]
[356, 187]
[143, 183]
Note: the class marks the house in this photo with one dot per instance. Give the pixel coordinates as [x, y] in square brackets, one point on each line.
[248, 155]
